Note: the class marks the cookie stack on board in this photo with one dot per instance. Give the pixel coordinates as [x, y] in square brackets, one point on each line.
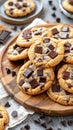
[48, 56]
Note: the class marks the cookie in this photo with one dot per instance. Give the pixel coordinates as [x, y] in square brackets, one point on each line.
[16, 52]
[34, 80]
[65, 77]
[3, 118]
[46, 53]
[30, 36]
[68, 51]
[19, 8]
[59, 95]
[68, 5]
[61, 32]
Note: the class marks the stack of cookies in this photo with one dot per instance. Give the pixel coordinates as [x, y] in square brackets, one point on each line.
[48, 65]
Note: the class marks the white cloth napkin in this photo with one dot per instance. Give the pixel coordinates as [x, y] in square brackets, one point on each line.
[4, 96]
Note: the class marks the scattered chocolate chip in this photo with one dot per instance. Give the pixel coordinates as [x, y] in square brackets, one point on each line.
[42, 79]
[71, 2]
[21, 82]
[55, 31]
[43, 124]
[50, 2]
[63, 122]
[37, 121]
[27, 127]
[42, 116]
[49, 121]
[49, 128]
[66, 75]
[18, 6]
[33, 83]
[8, 71]
[22, 27]
[67, 44]
[1, 116]
[28, 72]
[55, 88]
[10, 3]
[14, 114]
[40, 72]
[72, 48]
[53, 54]
[64, 35]
[38, 49]
[14, 28]
[7, 104]
[51, 47]
[53, 14]
[58, 20]
[65, 29]
[13, 73]
[70, 122]
[53, 8]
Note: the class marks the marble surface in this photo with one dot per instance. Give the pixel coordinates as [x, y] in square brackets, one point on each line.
[52, 123]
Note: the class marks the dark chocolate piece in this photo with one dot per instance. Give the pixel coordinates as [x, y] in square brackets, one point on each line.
[42, 116]
[22, 27]
[11, 11]
[27, 127]
[47, 50]
[33, 83]
[28, 72]
[8, 70]
[1, 116]
[63, 122]
[71, 2]
[64, 35]
[53, 8]
[70, 122]
[25, 5]
[51, 47]
[67, 93]
[21, 82]
[49, 128]
[46, 40]
[15, 46]
[55, 31]
[7, 104]
[66, 75]
[58, 20]
[50, 2]
[42, 79]
[4, 35]
[10, 3]
[26, 89]
[18, 6]
[14, 114]
[65, 29]
[13, 73]
[67, 44]
[55, 88]
[20, 49]
[53, 54]
[27, 34]
[40, 72]
[38, 49]
[53, 14]
[66, 49]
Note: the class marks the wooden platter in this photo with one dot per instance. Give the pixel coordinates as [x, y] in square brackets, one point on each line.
[22, 20]
[40, 103]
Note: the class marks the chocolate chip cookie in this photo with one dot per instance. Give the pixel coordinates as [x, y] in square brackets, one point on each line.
[16, 52]
[19, 8]
[30, 36]
[47, 52]
[59, 95]
[3, 118]
[65, 77]
[68, 5]
[34, 80]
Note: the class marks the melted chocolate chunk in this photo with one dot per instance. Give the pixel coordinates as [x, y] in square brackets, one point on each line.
[63, 123]
[7, 104]
[27, 34]
[18, 6]
[28, 72]
[8, 70]
[46, 40]
[55, 31]
[13, 73]
[66, 75]
[33, 83]
[10, 3]
[14, 114]
[66, 49]
[51, 47]
[40, 72]
[71, 2]
[4, 35]
[55, 88]
[67, 44]
[1, 116]
[21, 82]
[42, 79]
[20, 49]
[27, 127]
[65, 29]
[38, 49]
[53, 54]
[64, 35]
[25, 5]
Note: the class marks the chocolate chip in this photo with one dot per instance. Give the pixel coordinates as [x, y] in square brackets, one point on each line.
[43, 124]
[1, 116]
[66, 75]
[7, 104]
[42, 116]
[58, 20]
[10, 3]
[33, 83]
[64, 35]
[67, 44]
[65, 29]
[46, 40]
[8, 70]
[53, 14]
[15, 46]
[27, 127]
[42, 79]
[25, 5]
[65, 58]
[18, 6]
[14, 28]
[63, 122]
[14, 114]
[38, 49]
[28, 72]
[49, 128]
[55, 88]
[21, 82]
[13, 73]
[26, 89]
[40, 72]
[67, 93]
[70, 122]
[50, 2]
[53, 8]
[53, 54]
[55, 31]
[27, 34]
[22, 27]
[71, 2]
[66, 49]
[51, 47]
[11, 11]
[20, 49]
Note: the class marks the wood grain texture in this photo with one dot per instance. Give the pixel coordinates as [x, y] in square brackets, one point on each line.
[40, 103]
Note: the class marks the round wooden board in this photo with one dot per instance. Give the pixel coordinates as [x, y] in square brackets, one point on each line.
[40, 103]
[22, 20]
